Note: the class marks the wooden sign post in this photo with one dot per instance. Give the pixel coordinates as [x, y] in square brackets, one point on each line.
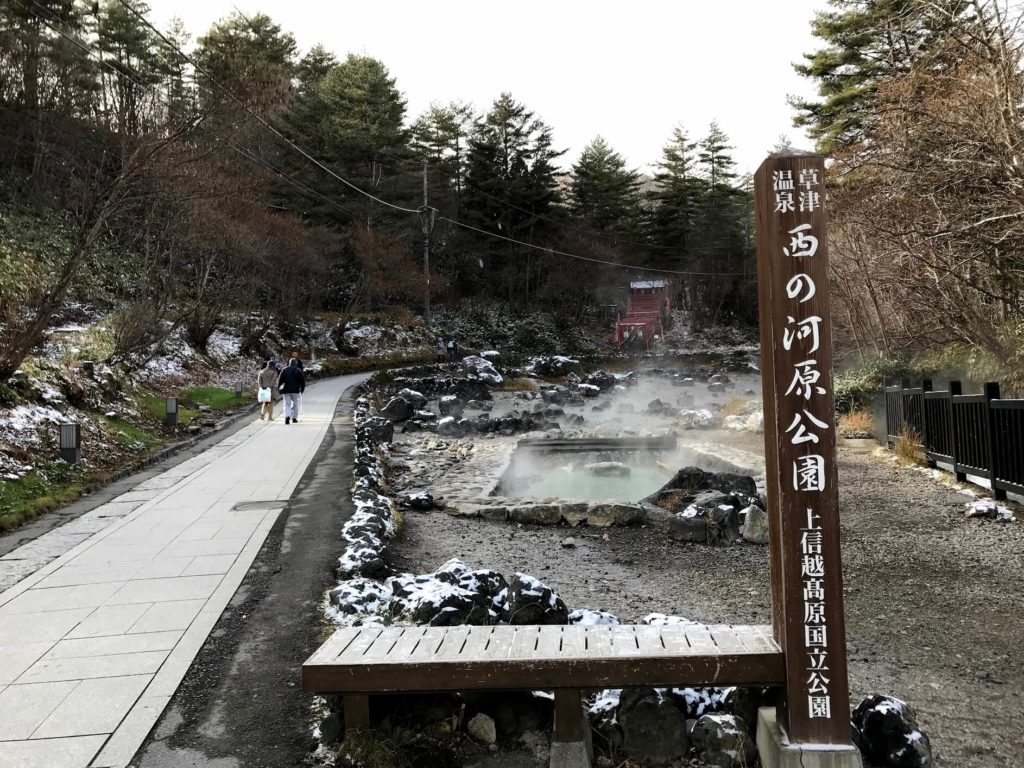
[800, 457]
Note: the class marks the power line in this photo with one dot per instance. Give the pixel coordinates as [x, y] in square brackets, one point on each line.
[259, 118]
[554, 252]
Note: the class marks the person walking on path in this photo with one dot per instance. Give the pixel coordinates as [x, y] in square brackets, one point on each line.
[453, 351]
[298, 403]
[293, 384]
[442, 353]
[268, 380]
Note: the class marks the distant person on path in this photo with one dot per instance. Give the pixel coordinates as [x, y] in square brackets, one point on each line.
[442, 353]
[293, 384]
[453, 351]
[268, 379]
[298, 403]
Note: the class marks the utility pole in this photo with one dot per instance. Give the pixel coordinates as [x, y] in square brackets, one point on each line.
[427, 221]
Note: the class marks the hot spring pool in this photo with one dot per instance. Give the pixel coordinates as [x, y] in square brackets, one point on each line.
[578, 479]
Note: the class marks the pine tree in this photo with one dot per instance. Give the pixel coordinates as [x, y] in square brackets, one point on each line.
[363, 127]
[866, 43]
[129, 50]
[674, 199]
[440, 136]
[604, 191]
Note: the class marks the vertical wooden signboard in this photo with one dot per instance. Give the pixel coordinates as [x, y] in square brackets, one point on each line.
[800, 446]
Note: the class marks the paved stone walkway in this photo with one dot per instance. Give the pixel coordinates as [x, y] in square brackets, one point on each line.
[94, 642]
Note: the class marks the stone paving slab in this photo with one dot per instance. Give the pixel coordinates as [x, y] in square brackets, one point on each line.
[109, 611]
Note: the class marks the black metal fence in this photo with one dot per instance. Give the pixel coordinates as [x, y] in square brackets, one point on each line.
[980, 435]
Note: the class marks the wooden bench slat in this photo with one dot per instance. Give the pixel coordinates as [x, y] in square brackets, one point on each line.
[394, 659]
[405, 645]
[524, 644]
[700, 640]
[549, 646]
[452, 645]
[624, 641]
[599, 641]
[649, 641]
[476, 642]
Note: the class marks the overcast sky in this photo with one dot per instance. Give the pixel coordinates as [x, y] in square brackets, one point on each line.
[628, 70]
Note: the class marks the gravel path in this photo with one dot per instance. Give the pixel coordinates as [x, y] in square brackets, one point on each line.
[934, 601]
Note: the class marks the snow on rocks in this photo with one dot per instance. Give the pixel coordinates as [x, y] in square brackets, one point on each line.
[988, 509]
[532, 602]
[553, 365]
[885, 730]
[698, 419]
[483, 369]
[723, 741]
[591, 618]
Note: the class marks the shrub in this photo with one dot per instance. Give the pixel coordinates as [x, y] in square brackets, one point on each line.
[857, 424]
[857, 389]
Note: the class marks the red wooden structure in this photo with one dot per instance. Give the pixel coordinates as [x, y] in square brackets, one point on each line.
[648, 313]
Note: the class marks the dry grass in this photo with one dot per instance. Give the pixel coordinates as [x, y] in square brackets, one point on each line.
[856, 424]
[519, 385]
[908, 447]
[732, 407]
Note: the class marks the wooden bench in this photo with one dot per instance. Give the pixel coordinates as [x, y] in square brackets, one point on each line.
[359, 661]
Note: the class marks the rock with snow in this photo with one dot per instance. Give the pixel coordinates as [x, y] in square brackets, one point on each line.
[554, 365]
[723, 741]
[490, 355]
[653, 727]
[601, 379]
[695, 479]
[755, 423]
[532, 602]
[695, 702]
[451, 405]
[755, 524]
[591, 618]
[885, 730]
[417, 399]
[421, 501]
[397, 409]
[483, 369]
[435, 601]
[988, 509]
[698, 419]
[667, 620]
[376, 430]
[359, 596]
[735, 423]
[589, 390]
[554, 395]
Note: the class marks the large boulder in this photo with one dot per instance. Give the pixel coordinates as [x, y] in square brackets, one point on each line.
[653, 727]
[887, 734]
[483, 369]
[697, 479]
[469, 389]
[723, 741]
[755, 524]
[532, 602]
[397, 409]
[436, 601]
[554, 395]
[451, 405]
[554, 365]
[601, 379]
[416, 398]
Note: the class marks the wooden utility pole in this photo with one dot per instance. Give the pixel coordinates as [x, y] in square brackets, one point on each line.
[427, 222]
[800, 448]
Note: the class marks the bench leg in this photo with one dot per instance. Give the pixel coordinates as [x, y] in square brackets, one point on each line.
[570, 743]
[356, 708]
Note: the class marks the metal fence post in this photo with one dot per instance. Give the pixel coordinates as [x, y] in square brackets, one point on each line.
[71, 443]
[171, 419]
[955, 389]
[992, 393]
[926, 387]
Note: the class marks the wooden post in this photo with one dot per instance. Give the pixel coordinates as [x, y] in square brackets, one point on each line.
[800, 446]
[992, 393]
